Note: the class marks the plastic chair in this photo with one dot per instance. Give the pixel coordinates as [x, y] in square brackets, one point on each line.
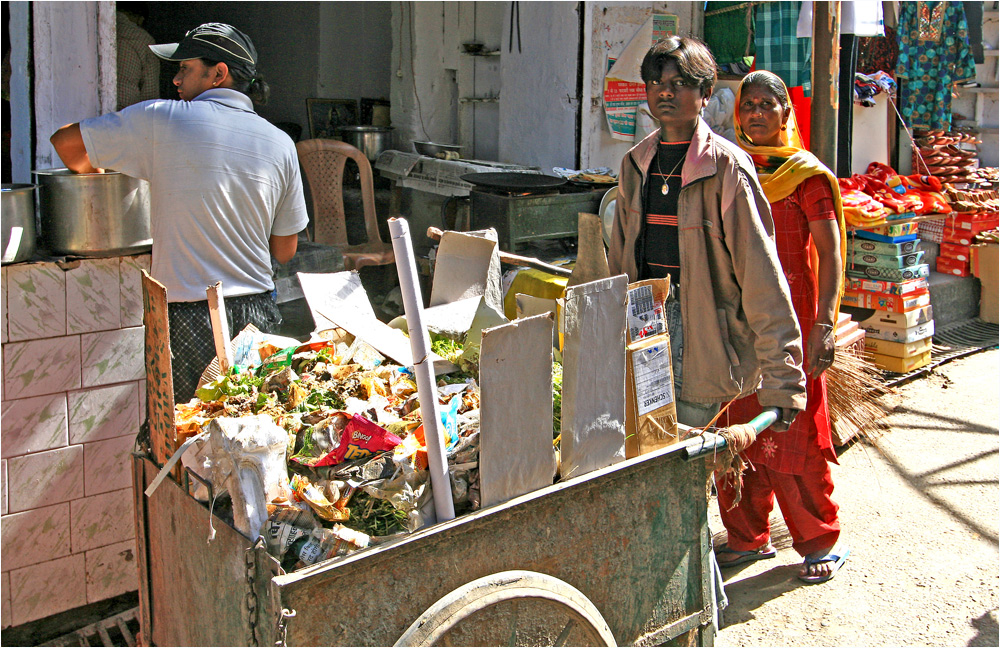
[323, 162]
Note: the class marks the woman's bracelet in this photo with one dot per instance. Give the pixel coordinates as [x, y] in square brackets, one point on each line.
[826, 326]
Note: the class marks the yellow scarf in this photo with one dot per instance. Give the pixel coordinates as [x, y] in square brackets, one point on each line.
[794, 165]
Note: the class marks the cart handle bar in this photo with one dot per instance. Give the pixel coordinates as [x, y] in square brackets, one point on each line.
[706, 444]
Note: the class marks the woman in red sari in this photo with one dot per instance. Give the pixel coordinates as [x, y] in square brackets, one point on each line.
[791, 466]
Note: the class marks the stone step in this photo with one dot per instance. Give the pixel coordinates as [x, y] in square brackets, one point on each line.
[954, 299]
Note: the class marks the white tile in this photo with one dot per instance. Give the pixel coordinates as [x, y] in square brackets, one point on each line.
[107, 465]
[93, 296]
[36, 301]
[45, 478]
[101, 520]
[103, 413]
[44, 590]
[35, 536]
[130, 276]
[113, 356]
[34, 424]
[5, 621]
[111, 571]
[41, 367]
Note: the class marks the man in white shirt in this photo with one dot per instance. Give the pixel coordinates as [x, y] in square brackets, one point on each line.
[225, 188]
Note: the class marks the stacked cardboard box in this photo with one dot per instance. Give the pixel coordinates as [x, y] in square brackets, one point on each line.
[959, 232]
[886, 292]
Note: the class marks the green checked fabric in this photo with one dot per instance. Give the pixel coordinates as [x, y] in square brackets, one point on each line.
[728, 27]
[779, 50]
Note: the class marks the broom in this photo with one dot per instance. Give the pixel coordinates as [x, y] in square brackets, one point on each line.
[855, 391]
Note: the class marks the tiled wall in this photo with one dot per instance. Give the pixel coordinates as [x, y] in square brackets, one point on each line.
[73, 398]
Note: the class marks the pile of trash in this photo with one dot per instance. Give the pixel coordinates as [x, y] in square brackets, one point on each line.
[327, 436]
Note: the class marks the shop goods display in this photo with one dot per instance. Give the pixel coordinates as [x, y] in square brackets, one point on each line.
[880, 195]
[950, 157]
[889, 300]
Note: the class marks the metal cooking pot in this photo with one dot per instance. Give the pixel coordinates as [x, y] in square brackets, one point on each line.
[370, 140]
[18, 222]
[93, 214]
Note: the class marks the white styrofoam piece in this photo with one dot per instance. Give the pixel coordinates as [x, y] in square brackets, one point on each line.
[248, 461]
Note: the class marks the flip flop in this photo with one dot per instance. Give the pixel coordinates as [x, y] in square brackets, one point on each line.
[744, 557]
[836, 557]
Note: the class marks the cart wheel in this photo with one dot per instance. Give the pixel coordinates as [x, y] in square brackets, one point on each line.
[513, 608]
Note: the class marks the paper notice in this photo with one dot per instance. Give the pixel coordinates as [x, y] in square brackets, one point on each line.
[653, 387]
[645, 315]
[624, 88]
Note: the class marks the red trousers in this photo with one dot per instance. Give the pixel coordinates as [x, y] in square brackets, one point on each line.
[808, 510]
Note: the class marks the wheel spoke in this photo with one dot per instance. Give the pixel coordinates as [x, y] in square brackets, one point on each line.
[564, 635]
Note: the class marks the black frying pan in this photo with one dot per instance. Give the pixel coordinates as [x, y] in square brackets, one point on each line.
[513, 182]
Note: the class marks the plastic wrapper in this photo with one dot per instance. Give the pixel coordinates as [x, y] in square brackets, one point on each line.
[335, 511]
[351, 437]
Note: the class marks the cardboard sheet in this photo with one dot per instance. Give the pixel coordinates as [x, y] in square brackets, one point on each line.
[339, 300]
[467, 265]
[593, 401]
[515, 433]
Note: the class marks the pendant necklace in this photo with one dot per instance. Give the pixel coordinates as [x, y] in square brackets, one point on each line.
[665, 189]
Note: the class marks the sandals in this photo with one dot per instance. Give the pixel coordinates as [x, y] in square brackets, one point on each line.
[744, 557]
[836, 556]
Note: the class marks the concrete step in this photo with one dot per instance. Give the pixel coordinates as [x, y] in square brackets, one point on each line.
[931, 251]
[954, 299]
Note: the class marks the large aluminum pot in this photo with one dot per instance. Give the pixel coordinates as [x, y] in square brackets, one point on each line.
[18, 222]
[93, 214]
[370, 140]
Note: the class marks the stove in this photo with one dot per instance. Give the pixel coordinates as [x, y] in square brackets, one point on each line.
[520, 218]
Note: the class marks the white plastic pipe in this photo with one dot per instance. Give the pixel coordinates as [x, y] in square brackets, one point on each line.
[423, 368]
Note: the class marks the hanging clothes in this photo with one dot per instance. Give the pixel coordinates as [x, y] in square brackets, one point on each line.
[779, 50]
[878, 53]
[728, 31]
[934, 54]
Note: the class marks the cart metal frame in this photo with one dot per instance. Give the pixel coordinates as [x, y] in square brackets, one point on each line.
[632, 538]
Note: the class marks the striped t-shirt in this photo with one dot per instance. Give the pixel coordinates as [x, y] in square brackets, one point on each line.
[661, 251]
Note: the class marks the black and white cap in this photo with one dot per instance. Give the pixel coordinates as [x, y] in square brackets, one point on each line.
[213, 41]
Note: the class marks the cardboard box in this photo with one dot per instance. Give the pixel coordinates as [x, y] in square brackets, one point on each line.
[955, 251]
[901, 365]
[957, 236]
[893, 234]
[882, 301]
[862, 246]
[899, 333]
[650, 409]
[902, 320]
[898, 349]
[947, 265]
[888, 274]
[984, 265]
[887, 287]
[883, 260]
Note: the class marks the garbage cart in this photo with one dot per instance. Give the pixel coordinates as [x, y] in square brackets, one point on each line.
[616, 556]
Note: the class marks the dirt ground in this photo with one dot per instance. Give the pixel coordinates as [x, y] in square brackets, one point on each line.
[919, 508]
